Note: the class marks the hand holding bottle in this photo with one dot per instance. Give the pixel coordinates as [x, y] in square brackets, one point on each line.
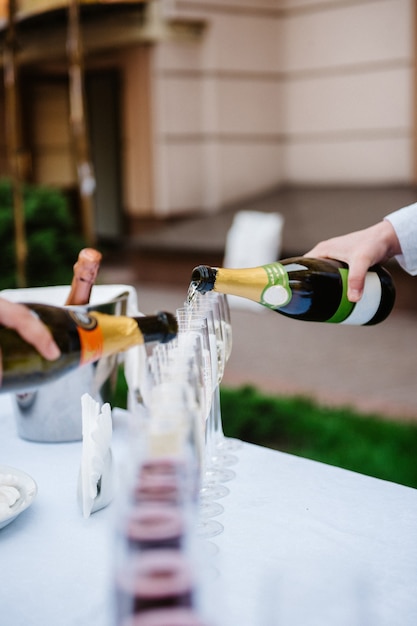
[304, 288]
[29, 327]
[360, 250]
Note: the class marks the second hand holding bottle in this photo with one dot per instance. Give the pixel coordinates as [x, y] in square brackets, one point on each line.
[82, 337]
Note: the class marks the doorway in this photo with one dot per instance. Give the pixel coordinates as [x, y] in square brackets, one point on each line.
[103, 111]
[46, 120]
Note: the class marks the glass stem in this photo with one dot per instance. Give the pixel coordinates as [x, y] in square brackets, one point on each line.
[217, 417]
[210, 434]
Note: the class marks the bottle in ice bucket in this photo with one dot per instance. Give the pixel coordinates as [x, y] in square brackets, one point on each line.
[304, 288]
[85, 273]
[82, 336]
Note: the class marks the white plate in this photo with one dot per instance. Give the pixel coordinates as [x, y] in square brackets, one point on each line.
[26, 487]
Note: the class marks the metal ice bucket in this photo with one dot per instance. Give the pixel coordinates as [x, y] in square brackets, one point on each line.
[52, 413]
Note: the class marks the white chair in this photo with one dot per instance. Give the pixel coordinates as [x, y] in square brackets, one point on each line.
[253, 239]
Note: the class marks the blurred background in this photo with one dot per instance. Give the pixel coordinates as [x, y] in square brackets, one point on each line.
[148, 112]
[144, 127]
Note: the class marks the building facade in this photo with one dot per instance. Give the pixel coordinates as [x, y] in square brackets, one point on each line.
[196, 104]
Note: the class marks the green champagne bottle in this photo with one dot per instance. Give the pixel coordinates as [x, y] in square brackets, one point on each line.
[82, 336]
[309, 289]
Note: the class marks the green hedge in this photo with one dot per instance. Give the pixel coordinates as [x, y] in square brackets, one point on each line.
[367, 444]
[52, 241]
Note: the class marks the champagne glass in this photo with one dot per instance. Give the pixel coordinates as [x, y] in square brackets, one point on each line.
[167, 365]
[227, 324]
[201, 320]
[216, 470]
[193, 329]
[223, 443]
[221, 454]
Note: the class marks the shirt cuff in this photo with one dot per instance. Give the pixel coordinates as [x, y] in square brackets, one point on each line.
[404, 222]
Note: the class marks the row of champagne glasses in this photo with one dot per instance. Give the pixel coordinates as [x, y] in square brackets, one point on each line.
[155, 573]
[199, 319]
[186, 363]
[194, 362]
[214, 310]
[178, 421]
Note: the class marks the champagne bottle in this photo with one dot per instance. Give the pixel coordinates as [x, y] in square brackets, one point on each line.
[304, 288]
[83, 337]
[85, 274]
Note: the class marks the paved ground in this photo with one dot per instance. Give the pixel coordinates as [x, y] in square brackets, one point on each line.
[370, 368]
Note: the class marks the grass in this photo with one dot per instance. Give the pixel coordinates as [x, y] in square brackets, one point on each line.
[366, 444]
[338, 436]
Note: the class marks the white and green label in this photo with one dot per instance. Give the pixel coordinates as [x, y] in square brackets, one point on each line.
[368, 305]
[364, 310]
[345, 307]
[277, 291]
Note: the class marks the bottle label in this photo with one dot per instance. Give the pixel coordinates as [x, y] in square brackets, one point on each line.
[277, 292]
[345, 307]
[363, 311]
[91, 336]
[368, 305]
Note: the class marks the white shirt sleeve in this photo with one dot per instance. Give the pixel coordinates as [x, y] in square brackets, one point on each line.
[404, 222]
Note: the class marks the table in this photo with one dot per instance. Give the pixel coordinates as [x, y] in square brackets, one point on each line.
[303, 542]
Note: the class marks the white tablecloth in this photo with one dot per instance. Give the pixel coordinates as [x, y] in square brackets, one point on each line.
[297, 534]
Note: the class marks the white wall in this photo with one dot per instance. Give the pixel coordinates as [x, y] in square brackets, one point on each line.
[282, 91]
[218, 132]
[348, 91]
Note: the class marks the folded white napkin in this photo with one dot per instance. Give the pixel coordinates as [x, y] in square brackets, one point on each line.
[95, 482]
